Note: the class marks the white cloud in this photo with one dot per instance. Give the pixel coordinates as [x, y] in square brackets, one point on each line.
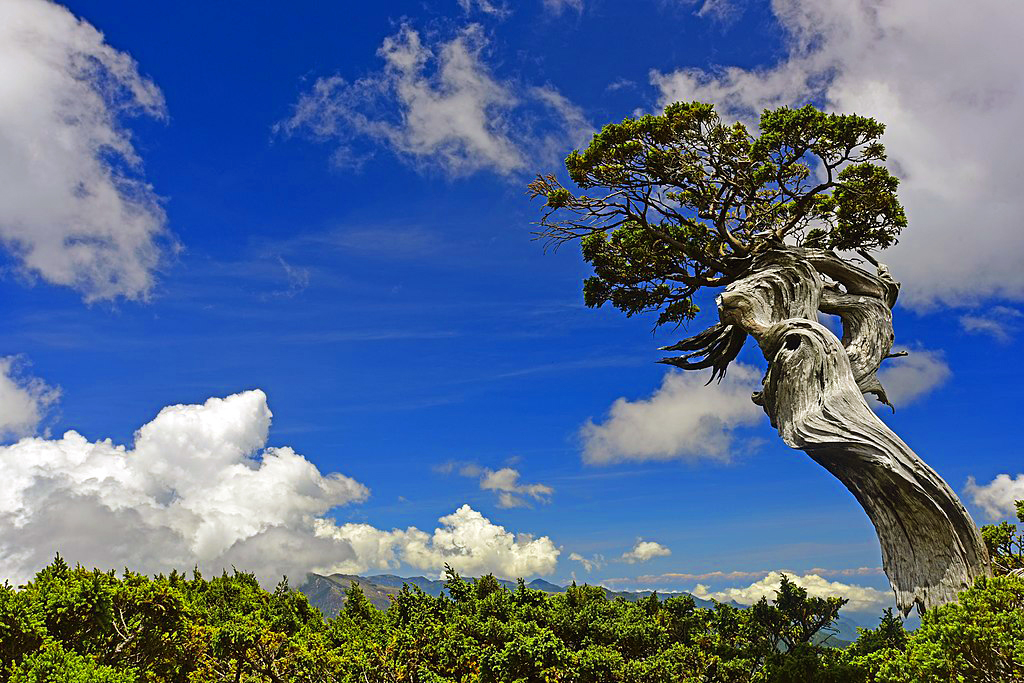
[911, 377]
[1000, 322]
[644, 551]
[24, 400]
[944, 77]
[466, 540]
[510, 492]
[862, 598]
[716, 10]
[503, 482]
[595, 561]
[997, 497]
[683, 419]
[675, 577]
[74, 210]
[199, 486]
[980, 325]
[556, 7]
[437, 106]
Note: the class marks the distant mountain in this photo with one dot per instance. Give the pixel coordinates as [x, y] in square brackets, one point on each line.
[327, 593]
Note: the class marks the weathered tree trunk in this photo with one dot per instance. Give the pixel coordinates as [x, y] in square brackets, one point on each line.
[814, 395]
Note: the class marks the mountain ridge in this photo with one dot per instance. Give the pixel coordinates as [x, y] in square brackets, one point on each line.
[327, 593]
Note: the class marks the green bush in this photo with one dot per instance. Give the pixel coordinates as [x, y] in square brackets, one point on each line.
[80, 626]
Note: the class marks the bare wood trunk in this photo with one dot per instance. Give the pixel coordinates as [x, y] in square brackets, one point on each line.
[814, 395]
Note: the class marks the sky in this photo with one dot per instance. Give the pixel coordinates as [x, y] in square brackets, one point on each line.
[272, 299]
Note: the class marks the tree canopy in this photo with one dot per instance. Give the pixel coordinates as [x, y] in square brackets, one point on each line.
[680, 201]
[88, 626]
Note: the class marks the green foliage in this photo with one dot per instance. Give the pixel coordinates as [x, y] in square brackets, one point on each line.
[80, 626]
[683, 199]
[54, 664]
[1005, 543]
[978, 638]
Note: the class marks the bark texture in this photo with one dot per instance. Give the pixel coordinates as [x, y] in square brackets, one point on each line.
[814, 395]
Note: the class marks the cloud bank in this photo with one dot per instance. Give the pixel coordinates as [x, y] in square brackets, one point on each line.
[74, 209]
[944, 77]
[439, 106]
[466, 540]
[200, 486]
[861, 598]
[682, 419]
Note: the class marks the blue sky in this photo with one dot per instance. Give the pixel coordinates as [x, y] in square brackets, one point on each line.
[328, 205]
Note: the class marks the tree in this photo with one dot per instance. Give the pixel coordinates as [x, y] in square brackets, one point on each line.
[681, 202]
[1005, 544]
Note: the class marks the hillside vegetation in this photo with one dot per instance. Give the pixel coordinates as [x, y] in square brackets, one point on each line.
[75, 625]
[86, 626]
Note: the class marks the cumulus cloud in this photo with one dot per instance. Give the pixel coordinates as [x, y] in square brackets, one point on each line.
[200, 486]
[74, 209]
[861, 598]
[997, 497]
[908, 378]
[466, 540]
[24, 400]
[944, 78]
[682, 419]
[595, 561]
[644, 551]
[437, 106]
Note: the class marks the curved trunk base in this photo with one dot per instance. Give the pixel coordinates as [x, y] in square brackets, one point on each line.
[814, 395]
[931, 549]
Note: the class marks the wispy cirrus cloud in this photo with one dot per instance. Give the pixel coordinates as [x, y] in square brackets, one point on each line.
[557, 7]
[998, 322]
[439, 106]
[495, 9]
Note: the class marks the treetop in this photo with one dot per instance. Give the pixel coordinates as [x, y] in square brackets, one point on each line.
[684, 200]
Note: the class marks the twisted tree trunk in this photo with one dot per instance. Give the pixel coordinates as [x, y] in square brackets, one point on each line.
[814, 395]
